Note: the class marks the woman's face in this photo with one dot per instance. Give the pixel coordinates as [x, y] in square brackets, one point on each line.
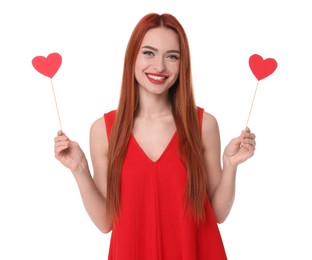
[158, 61]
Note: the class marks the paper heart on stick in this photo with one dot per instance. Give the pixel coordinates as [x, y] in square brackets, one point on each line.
[49, 65]
[262, 68]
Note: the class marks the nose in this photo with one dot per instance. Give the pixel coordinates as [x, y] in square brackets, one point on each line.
[159, 64]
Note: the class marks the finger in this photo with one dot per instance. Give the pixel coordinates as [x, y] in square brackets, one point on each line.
[61, 143]
[249, 138]
[249, 135]
[61, 136]
[237, 140]
[61, 133]
[249, 145]
[248, 148]
[60, 148]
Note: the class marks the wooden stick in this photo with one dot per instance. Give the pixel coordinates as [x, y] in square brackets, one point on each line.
[58, 114]
[252, 104]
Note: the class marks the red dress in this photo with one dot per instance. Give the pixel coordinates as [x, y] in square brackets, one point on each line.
[153, 224]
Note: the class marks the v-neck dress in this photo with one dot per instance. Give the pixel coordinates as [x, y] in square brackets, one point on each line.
[154, 224]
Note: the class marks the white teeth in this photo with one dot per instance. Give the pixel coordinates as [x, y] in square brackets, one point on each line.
[156, 77]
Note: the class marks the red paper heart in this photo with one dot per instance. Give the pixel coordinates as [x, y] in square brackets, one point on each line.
[47, 66]
[262, 68]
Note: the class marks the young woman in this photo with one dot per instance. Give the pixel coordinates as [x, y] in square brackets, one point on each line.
[158, 182]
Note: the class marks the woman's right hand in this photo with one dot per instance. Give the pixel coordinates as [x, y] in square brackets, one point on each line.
[68, 152]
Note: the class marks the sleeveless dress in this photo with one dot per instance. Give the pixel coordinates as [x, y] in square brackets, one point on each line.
[154, 224]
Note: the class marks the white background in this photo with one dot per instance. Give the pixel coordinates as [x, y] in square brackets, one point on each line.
[42, 215]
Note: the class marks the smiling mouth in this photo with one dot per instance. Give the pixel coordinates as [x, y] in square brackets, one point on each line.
[156, 78]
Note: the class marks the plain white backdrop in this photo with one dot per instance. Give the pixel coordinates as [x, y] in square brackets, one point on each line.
[42, 215]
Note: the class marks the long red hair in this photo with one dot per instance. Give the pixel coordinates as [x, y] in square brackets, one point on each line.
[184, 112]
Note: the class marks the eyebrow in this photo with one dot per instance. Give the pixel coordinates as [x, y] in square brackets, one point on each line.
[154, 49]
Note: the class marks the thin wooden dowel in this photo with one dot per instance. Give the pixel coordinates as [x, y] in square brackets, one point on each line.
[58, 114]
[252, 105]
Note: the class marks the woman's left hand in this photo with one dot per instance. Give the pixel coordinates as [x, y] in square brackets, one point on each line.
[240, 148]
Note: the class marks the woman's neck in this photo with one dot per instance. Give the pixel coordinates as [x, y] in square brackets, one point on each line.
[153, 106]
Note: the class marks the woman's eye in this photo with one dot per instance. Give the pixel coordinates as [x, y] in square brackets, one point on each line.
[173, 57]
[148, 53]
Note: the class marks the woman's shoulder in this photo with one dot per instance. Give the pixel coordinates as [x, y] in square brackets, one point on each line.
[98, 127]
[210, 132]
[209, 124]
[101, 125]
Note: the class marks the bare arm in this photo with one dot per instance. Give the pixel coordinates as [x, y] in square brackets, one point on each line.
[92, 190]
[221, 179]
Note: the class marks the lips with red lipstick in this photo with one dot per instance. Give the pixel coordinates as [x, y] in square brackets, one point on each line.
[156, 78]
